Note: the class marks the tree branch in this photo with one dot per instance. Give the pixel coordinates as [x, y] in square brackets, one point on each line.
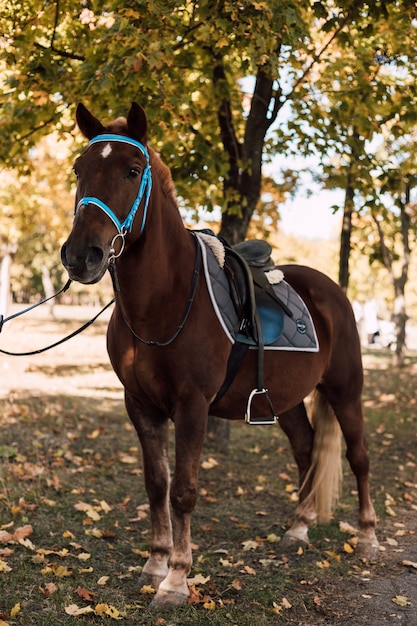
[62, 53]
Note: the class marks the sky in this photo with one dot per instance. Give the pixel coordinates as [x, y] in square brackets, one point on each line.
[312, 217]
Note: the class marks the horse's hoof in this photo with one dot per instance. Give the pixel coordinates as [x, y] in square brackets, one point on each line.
[291, 542]
[368, 550]
[165, 600]
[150, 580]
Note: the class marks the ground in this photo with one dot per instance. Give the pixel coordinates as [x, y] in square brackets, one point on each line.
[74, 525]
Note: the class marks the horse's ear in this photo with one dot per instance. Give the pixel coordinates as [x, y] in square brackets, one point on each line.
[137, 124]
[87, 123]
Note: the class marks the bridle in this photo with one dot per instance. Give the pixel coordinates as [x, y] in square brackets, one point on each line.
[144, 193]
[126, 226]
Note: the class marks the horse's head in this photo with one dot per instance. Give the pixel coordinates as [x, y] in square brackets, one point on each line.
[113, 188]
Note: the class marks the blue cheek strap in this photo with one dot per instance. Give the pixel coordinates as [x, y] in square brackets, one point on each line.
[144, 191]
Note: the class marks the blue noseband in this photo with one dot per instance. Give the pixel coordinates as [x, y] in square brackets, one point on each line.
[143, 192]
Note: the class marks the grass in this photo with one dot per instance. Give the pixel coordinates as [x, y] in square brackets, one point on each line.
[70, 468]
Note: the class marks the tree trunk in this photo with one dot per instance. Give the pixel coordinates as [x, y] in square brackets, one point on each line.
[48, 288]
[399, 282]
[346, 233]
[5, 294]
[242, 186]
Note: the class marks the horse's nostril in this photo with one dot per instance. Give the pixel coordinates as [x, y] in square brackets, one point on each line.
[95, 256]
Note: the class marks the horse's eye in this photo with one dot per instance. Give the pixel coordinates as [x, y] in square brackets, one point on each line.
[75, 172]
[134, 172]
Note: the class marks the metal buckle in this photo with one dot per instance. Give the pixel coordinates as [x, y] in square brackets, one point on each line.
[112, 253]
[260, 421]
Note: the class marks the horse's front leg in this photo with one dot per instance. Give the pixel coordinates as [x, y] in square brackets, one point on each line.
[189, 438]
[153, 436]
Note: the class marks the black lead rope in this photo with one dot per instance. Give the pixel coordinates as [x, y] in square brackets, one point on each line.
[57, 343]
[3, 319]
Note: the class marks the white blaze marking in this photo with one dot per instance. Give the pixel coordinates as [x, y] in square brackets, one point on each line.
[106, 151]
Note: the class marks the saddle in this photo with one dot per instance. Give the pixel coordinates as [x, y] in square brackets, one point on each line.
[251, 292]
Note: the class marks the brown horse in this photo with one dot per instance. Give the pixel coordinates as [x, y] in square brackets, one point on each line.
[170, 352]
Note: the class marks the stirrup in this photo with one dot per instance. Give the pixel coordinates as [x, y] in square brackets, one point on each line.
[260, 421]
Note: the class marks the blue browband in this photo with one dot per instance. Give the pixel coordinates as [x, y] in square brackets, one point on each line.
[143, 192]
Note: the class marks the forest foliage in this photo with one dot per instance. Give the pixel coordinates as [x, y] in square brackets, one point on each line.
[227, 86]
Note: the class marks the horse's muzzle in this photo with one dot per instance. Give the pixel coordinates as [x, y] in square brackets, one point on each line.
[86, 268]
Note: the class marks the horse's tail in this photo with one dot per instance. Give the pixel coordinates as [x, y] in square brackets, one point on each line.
[326, 465]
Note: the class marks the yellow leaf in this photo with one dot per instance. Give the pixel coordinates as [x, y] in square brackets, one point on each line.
[199, 579]
[147, 589]
[3, 623]
[286, 604]
[410, 564]
[401, 600]
[94, 434]
[108, 609]
[75, 611]
[347, 548]
[103, 580]
[333, 555]
[84, 556]
[249, 570]
[62, 571]
[347, 528]
[210, 605]
[15, 610]
[4, 567]
[277, 608]
[104, 506]
[209, 464]
[67, 534]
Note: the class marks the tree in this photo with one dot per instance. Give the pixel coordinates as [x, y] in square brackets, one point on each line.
[211, 132]
[364, 83]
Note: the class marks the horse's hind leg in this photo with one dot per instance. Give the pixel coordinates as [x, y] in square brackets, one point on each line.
[297, 427]
[350, 416]
[153, 435]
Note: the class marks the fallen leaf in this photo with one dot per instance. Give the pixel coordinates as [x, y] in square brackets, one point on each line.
[48, 590]
[276, 608]
[249, 545]
[209, 463]
[410, 564]
[62, 571]
[147, 589]
[85, 594]
[15, 610]
[347, 528]
[75, 611]
[4, 568]
[199, 579]
[108, 609]
[401, 600]
[103, 580]
[286, 604]
[210, 605]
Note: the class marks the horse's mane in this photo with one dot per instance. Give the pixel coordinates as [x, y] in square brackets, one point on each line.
[119, 126]
[163, 172]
